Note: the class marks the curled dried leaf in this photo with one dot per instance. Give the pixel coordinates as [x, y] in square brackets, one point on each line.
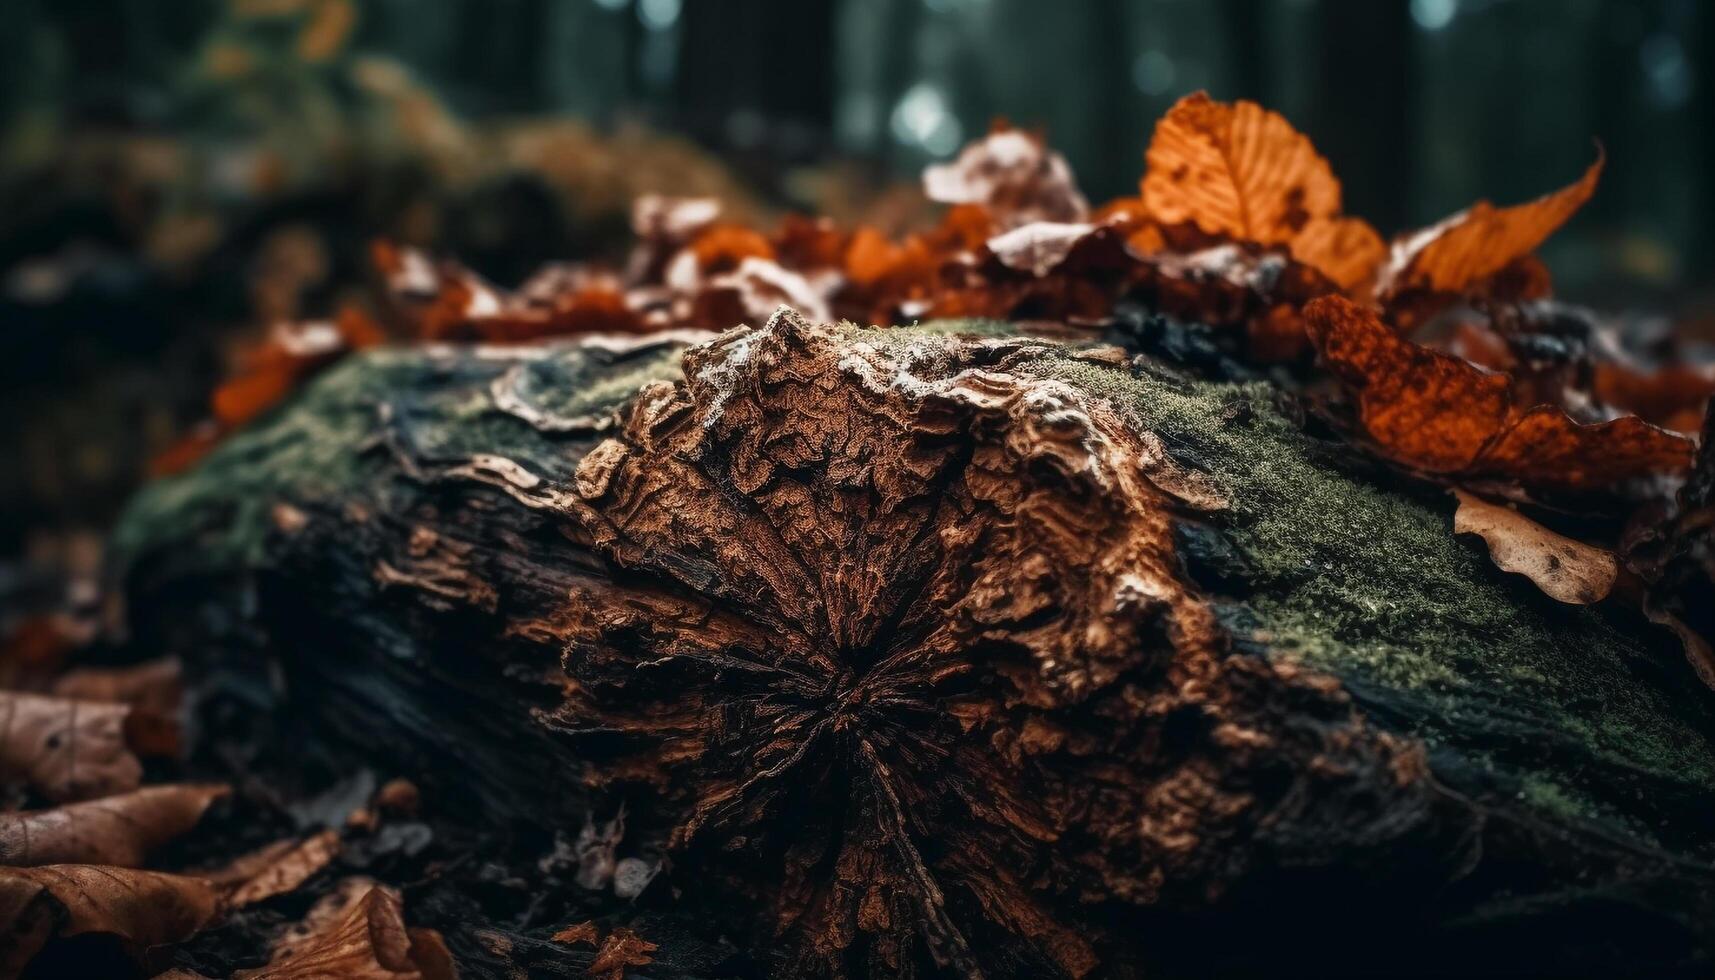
[1038, 247]
[275, 869]
[656, 217]
[584, 934]
[1566, 570]
[1014, 176]
[1243, 172]
[141, 908]
[118, 830]
[1480, 241]
[366, 940]
[156, 685]
[1439, 413]
[621, 949]
[67, 749]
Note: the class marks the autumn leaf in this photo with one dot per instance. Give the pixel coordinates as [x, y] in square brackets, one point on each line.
[155, 685]
[1013, 176]
[118, 830]
[1243, 172]
[141, 908]
[1565, 570]
[1438, 413]
[720, 248]
[274, 869]
[582, 934]
[67, 749]
[621, 949]
[1673, 397]
[358, 933]
[1040, 246]
[1480, 241]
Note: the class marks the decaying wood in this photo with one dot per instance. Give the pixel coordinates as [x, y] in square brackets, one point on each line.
[917, 652]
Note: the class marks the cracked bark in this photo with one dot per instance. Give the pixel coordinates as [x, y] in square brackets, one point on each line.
[890, 646]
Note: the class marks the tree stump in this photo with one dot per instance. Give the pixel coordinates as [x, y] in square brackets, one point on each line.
[942, 650]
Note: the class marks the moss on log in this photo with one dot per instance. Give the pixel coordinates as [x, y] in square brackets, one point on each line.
[946, 649]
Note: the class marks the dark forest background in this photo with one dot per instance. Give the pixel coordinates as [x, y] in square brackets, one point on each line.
[1422, 105]
[174, 173]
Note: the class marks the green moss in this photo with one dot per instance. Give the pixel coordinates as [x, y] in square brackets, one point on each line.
[324, 445]
[1514, 693]
[1519, 699]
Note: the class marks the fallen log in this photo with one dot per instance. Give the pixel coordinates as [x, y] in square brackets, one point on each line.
[941, 649]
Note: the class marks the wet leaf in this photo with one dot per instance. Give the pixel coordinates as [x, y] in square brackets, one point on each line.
[1243, 172]
[141, 908]
[1566, 570]
[1439, 413]
[67, 749]
[1482, 240]
[118, 830]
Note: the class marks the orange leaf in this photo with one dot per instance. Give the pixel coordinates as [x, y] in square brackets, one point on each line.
[1346, 250]
[721, 248]
[871, 257]
[622, 948]
[1242, 171]
[1439, 413]
[1481, 240]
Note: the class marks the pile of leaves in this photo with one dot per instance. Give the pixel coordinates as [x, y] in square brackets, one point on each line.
[81, 833]
[1440, 351]
[1569, 448]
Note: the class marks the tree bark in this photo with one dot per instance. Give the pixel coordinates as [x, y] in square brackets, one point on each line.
[919, 651]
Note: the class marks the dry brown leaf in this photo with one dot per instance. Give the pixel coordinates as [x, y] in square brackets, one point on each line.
[118, 830]
[621, 949]
[366, 940]
[276, 869]
[66, 749]
[1480, 241]
[1014, 176]
[655, 217]
[141, 908]
[1566, 570]
[1439, 413]
[1244, 172]
[584, 933]
[1038, 247]
[152, 686]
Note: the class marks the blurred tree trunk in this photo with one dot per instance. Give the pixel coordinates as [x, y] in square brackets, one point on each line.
[1365, 103]
[769, 59]
[1247, 50]
[1701, 260]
